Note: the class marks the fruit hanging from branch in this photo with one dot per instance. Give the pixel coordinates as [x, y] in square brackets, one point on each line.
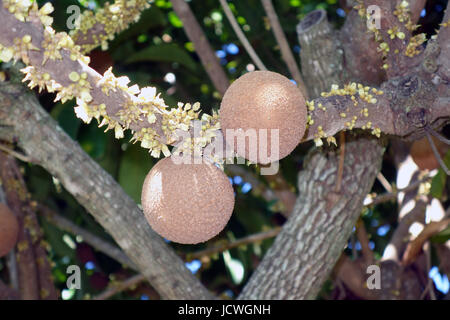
[258, 106]
[187, 203]
[423, 155]
[9, 230]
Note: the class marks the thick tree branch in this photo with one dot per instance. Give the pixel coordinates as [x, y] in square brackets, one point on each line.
[414, 100]
[393, 34]
[321, 55]
[39, 135]
[362, 60]
[443, 62]
[313, 238]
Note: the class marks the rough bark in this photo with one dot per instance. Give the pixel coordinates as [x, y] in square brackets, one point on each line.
[312, 240]
[321, 54]
[40, 137]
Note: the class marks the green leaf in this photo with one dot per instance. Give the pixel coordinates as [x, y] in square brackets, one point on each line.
[164, 52]
[438, 184]
[441, 237]
[174, 20]
[150, 19]
[65, 115]
[440, 179]
[93, 140]
[55, 237]
[134, 167]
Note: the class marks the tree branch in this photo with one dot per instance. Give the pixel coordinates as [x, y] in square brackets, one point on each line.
[120, 286]
[443, 62]
[91, 239]
[313, 238]
[286, 52]
[202, 47]
[241, 36]
[96, 29]
[315, 234]
[234, 244]
[413, 248]
[38, 135]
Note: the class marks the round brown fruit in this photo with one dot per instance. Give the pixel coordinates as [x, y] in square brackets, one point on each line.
[187, 203]
[263, 100]
[423, 155]
[9, 230]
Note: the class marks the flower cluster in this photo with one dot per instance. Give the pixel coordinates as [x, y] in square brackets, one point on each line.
[359, 94]
[96, 29]
[62, 68]
[403, 14]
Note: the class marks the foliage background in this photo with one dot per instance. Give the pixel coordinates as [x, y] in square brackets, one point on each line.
[155, 51]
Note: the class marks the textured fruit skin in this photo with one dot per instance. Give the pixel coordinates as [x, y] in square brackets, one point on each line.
[264, 100]
[9, 230]
[187, 203]
[423, 155]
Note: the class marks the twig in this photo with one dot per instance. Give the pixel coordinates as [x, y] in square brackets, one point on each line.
[15, 154]
[437, 135]
[280, 192]
[91, 239]
[392, 195]
[240, 34]
[363, 238]
[414, 247]
[120, 286]
[286, 52]
[429, 288]
[237, 243]
[202, 47]
[384, 182]
[437, 155]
